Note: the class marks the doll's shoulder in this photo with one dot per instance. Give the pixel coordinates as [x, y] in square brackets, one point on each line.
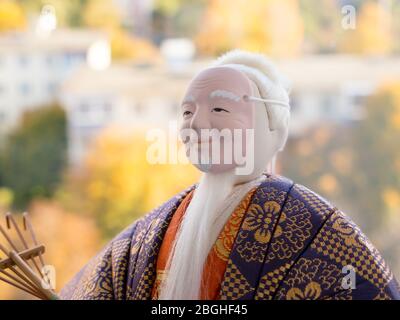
[295, 198]
[339, 252]
[331, 245]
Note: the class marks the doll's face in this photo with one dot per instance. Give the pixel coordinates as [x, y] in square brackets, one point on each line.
[214, 100]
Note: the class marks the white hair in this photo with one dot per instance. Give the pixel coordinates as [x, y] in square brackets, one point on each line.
[213, 202]
[270, 82]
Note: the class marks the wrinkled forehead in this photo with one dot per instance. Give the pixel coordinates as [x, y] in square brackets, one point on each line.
[219, 78]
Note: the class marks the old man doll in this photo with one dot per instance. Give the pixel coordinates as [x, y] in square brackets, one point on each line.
[241, 232]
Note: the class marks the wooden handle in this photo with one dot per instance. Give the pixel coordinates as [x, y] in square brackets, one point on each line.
[50, 294]
[26, 254]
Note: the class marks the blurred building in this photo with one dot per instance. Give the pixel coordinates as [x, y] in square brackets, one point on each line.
[333, 88]
[324, 89]
[32, 67]
[136, 15]
[123, 95]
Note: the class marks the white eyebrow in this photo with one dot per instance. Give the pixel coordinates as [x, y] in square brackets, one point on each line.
[224, 94]
[189, 98]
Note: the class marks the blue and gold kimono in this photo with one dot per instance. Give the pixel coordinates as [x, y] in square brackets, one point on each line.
[308, 250]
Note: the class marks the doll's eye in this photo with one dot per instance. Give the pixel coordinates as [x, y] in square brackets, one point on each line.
[186, 113]
[219, 110]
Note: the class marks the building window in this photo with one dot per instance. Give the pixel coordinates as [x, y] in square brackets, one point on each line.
[49, 60]
[24, 89]
[328, 105]
[107, 107]
[73, 58]
[23, 61]
[84, 108]
[139, 108]
[358, 100]
[51, 87]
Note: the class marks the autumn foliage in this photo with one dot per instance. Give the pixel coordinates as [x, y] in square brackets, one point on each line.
[117, 184]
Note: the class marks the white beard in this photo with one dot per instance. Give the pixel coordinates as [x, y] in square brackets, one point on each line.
[212, 204]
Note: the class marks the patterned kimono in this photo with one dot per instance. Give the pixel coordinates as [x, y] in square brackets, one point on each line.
[283, 241]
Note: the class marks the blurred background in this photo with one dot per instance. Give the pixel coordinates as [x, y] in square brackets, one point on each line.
[82, 80]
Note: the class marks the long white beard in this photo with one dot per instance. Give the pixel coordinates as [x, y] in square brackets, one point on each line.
[213, 202]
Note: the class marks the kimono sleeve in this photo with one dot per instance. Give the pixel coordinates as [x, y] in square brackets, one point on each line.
[104, 277]
[340, 264]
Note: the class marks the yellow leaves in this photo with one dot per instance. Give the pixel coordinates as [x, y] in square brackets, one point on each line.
[396, 120]
[397, 164]
[125, 46]
[391, 197]
[6, 198]
[112, 165]
[373, 31]
[322, 135]
[285, 27]
[270, 26]
[102, 14]
[392, 90]
[169, 7]
[71, 240]
[328, 183]
[304, 148]
[121, 185]
[342, 160]
[11, 16]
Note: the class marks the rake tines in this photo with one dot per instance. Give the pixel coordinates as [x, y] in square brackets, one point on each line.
[23, 265]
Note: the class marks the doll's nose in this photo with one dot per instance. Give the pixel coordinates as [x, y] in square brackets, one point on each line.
[200, 120]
